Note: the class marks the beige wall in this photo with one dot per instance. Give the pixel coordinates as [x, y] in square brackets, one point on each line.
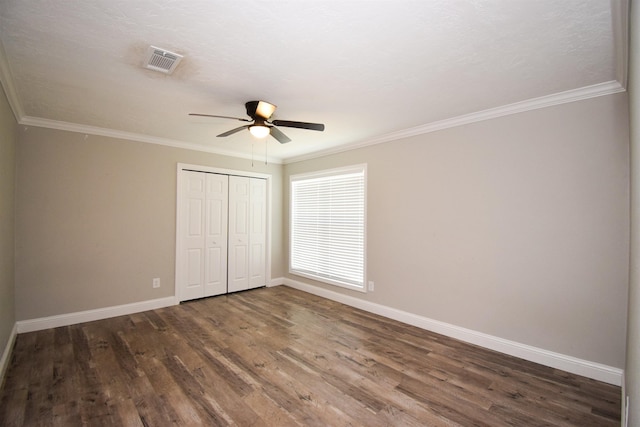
[96, 220]
[632, 371]
[8, 139]
[517, 227]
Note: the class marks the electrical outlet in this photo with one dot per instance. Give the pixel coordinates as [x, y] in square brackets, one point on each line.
[156, 282]
[371, 285]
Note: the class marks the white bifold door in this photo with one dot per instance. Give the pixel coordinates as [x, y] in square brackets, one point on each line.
[247, 236]
[204, 235]
[222, 232]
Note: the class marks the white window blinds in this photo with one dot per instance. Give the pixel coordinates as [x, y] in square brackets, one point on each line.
[328, 226]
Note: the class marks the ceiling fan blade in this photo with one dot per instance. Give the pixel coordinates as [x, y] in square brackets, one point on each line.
[299, 125]
[232, 131]
[277, 134]
[220, 117]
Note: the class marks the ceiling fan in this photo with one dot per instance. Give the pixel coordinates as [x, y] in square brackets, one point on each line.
[260, 112]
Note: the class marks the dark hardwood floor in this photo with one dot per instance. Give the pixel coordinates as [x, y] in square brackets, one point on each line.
[281, 357]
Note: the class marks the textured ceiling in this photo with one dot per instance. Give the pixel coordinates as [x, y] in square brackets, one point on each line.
[365, 69]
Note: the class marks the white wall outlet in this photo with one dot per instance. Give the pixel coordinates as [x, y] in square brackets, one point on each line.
[370, 287]
[156, 282]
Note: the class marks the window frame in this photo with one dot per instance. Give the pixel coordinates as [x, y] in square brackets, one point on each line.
[360, 168]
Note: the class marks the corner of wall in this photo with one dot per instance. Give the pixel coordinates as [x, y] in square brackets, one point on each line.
[275, 282]
[6, 354]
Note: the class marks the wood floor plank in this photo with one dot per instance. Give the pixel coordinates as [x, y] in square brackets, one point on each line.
[283, 389]
[16, 382]
[199, 369]
[282, 357]
[40, 380]
[368, 402]
[155, 390]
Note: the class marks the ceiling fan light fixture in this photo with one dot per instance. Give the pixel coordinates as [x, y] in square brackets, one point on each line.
[264, 109]
[259, 131]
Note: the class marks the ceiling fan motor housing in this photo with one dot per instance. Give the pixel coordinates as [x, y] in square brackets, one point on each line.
[251, 108]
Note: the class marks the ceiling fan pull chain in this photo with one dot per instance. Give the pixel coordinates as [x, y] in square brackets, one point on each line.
[266, 144]
[252, 144]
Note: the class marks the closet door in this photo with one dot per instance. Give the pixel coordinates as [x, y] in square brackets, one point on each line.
[239, 191]
[215, 267]
[204, 235]
[247, 235]
[257, 232]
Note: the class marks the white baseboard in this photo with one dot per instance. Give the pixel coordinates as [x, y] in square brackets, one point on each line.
[104, 313]
[563, 362]
[91, 315]
[566, 363]
[6, 354]
[276, 282]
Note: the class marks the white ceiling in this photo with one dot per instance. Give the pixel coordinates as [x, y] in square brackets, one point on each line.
[369, 70]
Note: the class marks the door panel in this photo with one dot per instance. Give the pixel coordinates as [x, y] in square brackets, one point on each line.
[194, 268]
[240, 264]
[194, 217]
[216, 236]
[238, 233]
[193, 237]
[257, 233]
[205, 235]
[215, 272]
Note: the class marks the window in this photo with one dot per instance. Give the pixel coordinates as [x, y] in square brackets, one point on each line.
[328, 226]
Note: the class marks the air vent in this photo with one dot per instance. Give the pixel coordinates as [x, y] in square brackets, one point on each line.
[161, 60]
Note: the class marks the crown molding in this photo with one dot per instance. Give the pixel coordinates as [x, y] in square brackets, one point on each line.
[131, 136]
[620, 24]
[600, 89]
[6, 78]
